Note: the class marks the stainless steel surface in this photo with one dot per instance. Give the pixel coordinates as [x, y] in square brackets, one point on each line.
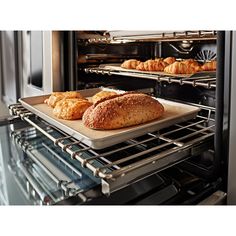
[206, 80]
[4, 111]
[5, 120]
[51, 70]
[182, 50]
[135, 159]
[152, 36]
[9, 66]
[217, 198]
[4, 152]
[56, 56]
[231, 198]
[174, 113]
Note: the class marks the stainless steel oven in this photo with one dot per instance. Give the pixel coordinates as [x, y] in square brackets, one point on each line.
[189, 162]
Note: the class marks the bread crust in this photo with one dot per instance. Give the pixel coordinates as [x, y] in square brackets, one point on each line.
[130, 64]
[122, 111]
[71, 108]
[180, 68]
[58, 96]
[209, 66]
[152, 65]
[169, 60]
[102, 94]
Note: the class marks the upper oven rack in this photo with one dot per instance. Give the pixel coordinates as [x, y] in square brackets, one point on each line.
[127, 162]
[206, 81]
[155, 36]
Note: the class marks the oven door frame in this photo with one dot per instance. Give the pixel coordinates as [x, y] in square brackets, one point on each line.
[51, 63]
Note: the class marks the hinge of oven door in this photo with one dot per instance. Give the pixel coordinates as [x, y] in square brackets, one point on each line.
[17, 113]
[7, 120]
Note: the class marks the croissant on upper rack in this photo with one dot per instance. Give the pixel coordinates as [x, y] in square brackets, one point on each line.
[169, 60]
[209, 66]
[152, 65]
[192, 63]
[180, 68]
[130, 64]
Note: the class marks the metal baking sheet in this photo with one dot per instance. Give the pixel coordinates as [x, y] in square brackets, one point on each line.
[117, 67]
[99, 139]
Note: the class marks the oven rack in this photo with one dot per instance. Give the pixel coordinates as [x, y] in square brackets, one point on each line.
[130, 161]
[126, 37]
[206, 81]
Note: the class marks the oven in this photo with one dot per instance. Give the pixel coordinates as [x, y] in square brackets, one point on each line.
[189, 162]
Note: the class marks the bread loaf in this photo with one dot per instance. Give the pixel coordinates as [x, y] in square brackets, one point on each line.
[58, 96]
[71, 108]
[102, 94]
[121, 111]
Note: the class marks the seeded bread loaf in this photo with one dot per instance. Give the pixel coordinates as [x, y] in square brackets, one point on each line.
[123, 110]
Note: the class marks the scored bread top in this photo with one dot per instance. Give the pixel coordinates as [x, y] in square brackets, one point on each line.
[122, 110]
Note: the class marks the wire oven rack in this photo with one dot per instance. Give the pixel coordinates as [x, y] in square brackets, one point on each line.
[206, 81]
[123, 36]
[130, 161]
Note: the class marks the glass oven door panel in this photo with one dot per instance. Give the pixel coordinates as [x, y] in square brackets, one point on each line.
[35, 171]
[11, 191]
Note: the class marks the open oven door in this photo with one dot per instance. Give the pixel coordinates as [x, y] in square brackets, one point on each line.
[30, 172]
[35, 171]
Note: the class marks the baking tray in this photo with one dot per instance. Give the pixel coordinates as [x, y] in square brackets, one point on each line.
[99, 139]
[117, 67]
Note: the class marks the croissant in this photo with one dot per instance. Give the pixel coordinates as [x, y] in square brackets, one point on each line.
[208, 66]
[192, 63]
[179, 68]
[189, 62]
[152, 65]
[158, 59]
[130, 64]
[169, 60]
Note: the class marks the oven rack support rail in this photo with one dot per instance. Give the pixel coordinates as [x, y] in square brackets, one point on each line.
[123, 37]
[205, 81]
[124, 164]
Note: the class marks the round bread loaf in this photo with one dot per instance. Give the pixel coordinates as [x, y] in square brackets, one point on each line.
[122, 110]
[71, 108]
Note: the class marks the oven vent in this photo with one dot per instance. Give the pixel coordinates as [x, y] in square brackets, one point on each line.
[205, 56]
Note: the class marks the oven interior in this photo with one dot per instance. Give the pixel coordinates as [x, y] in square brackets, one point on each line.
[176, 165]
